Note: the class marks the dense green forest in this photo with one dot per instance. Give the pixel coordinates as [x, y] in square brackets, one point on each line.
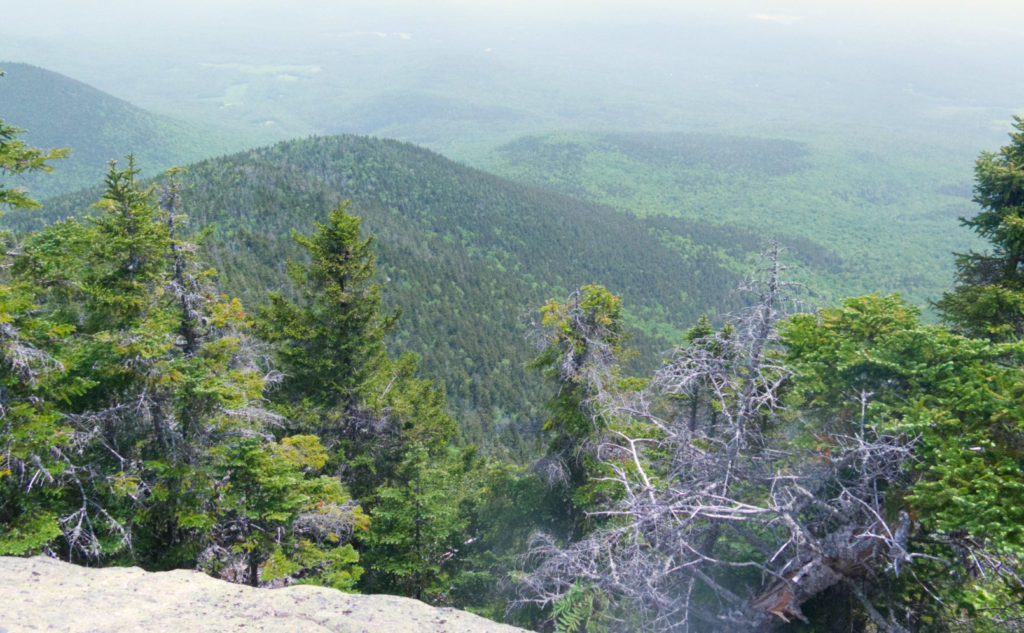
[846, 468]
[466, 254]
[882, 212]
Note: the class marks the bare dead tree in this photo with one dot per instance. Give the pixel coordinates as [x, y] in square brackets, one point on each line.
[726, 524]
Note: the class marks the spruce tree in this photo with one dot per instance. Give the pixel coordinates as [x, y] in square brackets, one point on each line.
[32, 432]
[330, 339]
[156, 449]
[338, 381]
[387, 433]
[988, 298]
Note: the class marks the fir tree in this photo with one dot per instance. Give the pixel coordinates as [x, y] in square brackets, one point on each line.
[169, 460]
[33, 435]
[988, 298]
[330, 340]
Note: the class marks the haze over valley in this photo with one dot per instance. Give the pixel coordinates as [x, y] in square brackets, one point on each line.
[890, 102]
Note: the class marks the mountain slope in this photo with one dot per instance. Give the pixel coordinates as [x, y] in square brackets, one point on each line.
[468, 256]
[58, 111]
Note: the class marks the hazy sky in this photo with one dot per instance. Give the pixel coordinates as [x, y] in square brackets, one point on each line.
[108, 14]
[836, 58]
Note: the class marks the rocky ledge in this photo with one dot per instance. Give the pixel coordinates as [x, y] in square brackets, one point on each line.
[42, 594]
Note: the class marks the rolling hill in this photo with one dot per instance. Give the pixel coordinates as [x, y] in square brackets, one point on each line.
[881, 213]
[58, 111]
[468, 256]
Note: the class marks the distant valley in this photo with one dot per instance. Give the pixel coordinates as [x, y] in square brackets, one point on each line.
[883, 221]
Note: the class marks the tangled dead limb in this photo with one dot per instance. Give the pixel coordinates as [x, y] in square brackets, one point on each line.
[721, 519]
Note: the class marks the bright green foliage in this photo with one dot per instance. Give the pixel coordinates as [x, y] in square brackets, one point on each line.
[330, 340]
[856, 221]
[32, 433]
[583, 342]
[338, 380]
[275, 521]
[450, 528]
[872, 362]
[988, 299]
[701, 330]
[575, 612]
[466, 252]
[423, 492]
[128, 398]
[154, 447]
[416, 405]
[508, 504]
[584, 337]
[419, 524]
[385, 429]
[398, 412]
[871, 346]
[127, 250]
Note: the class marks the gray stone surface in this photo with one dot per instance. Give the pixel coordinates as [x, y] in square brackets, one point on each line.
[42, 594]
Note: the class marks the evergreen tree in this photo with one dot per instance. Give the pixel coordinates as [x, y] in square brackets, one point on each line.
[101, 282]
[386, 431]
[270, 520]
[33, 436]
[871, 365]
[330, 340]
[418, 526]
[582, 343]
[988, 298]
[581, 348]
[338, 381]
[169, 459]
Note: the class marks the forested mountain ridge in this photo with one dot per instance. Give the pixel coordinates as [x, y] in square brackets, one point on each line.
[58, 111]
[466, 255]
[731, 184]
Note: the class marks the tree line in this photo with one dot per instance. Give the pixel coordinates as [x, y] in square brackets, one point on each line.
[469, 255]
